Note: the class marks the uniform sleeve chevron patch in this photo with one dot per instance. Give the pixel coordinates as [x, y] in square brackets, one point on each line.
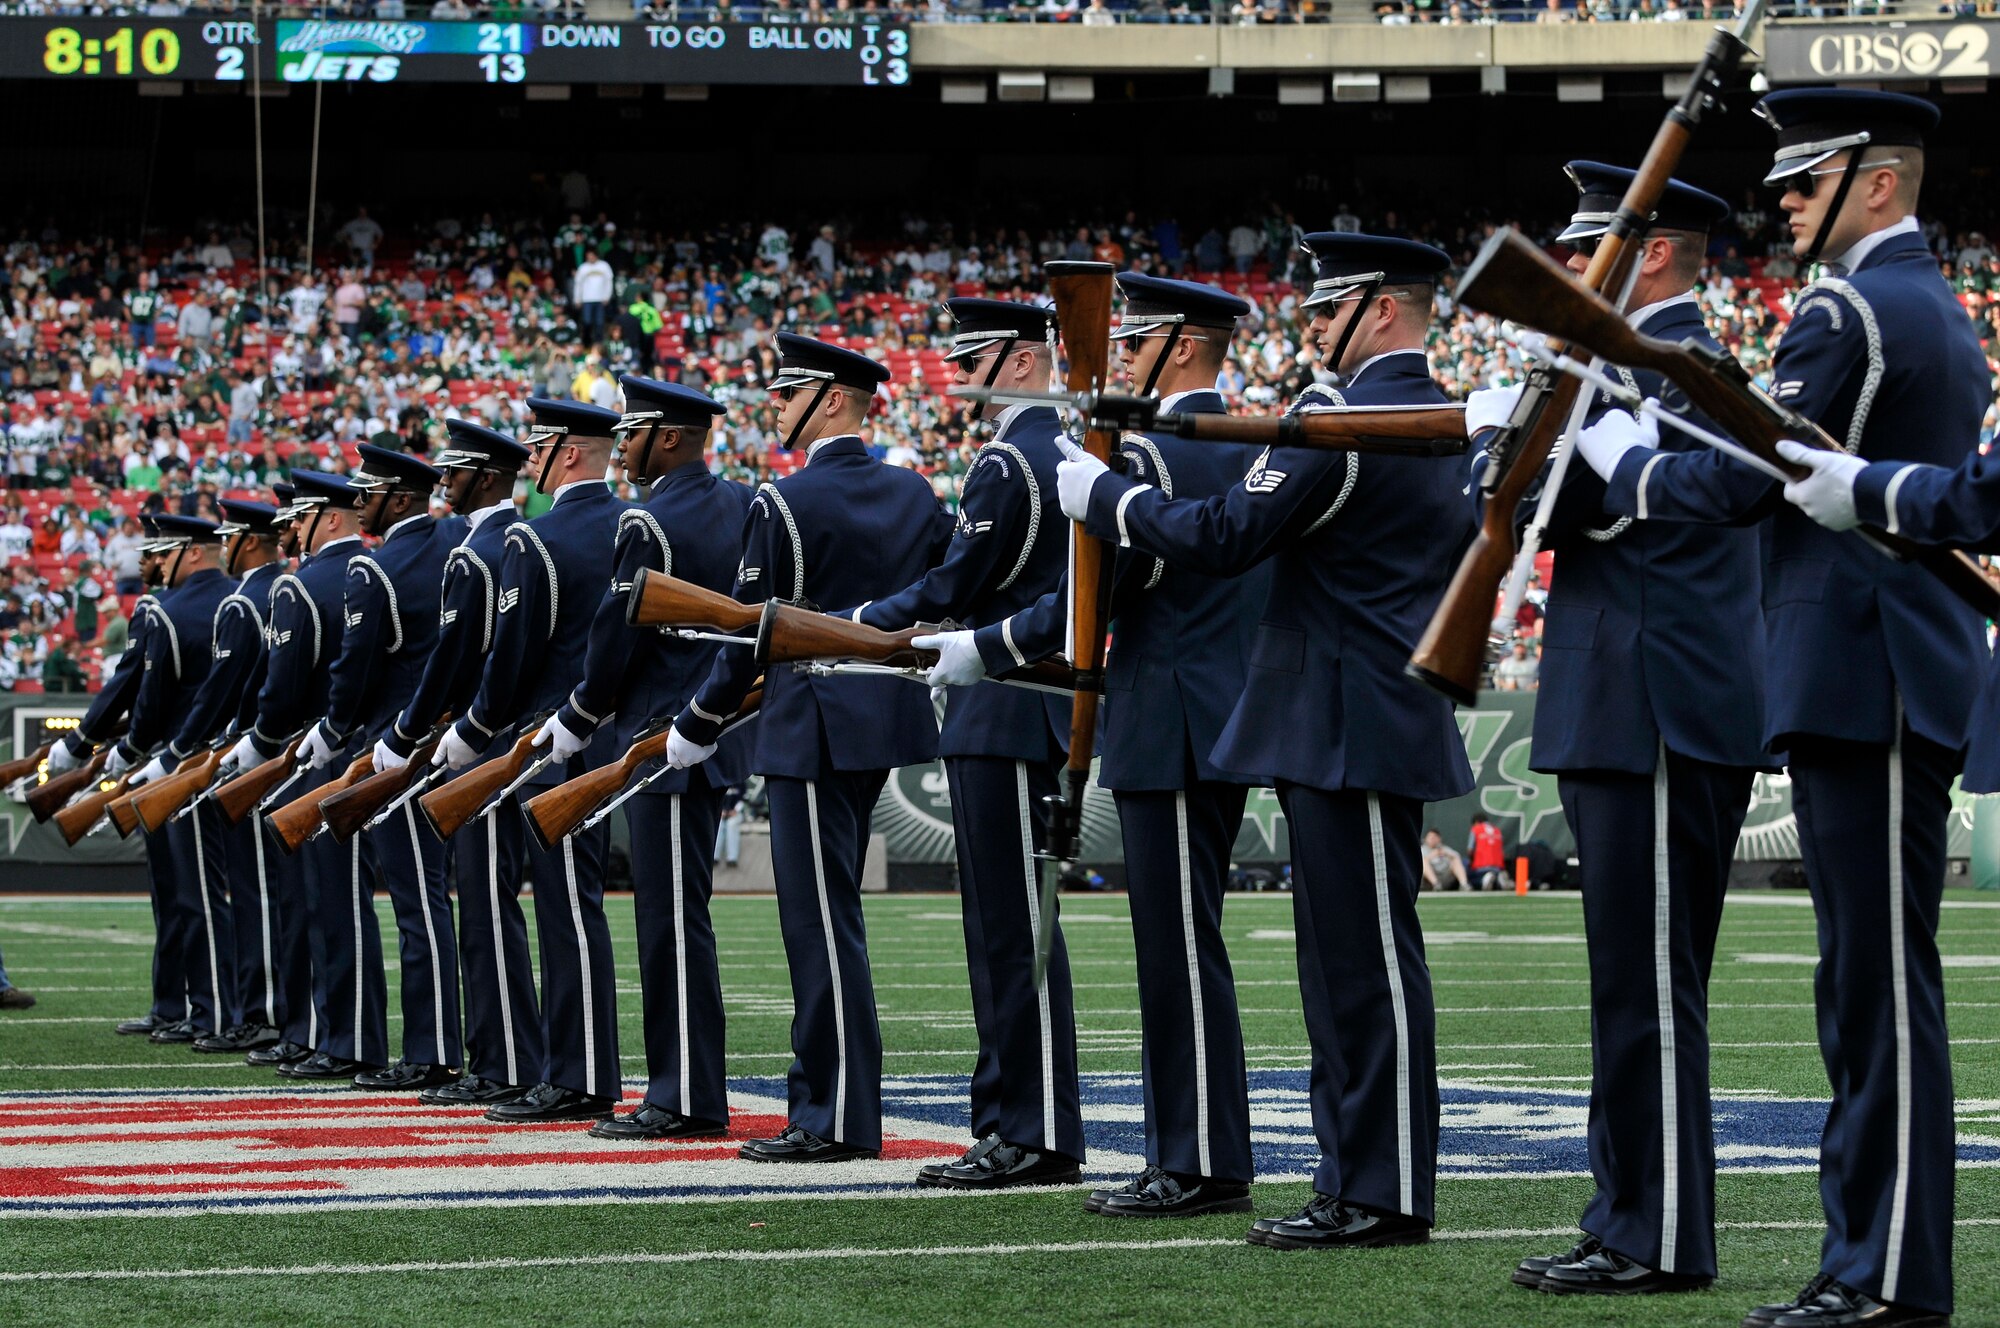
[970, 528]
[448, 617]
[1263, 479]
[745, 574]
[353, 620]
[509, 598]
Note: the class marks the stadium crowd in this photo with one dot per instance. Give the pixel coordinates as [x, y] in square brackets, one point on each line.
[162, 376]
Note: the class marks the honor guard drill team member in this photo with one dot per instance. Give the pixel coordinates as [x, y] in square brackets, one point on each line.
[635, 678]
[195, 917]
[551, 580]
[842, 530]
[1652, 718]
[1180, 642]
[502, 1022]
[306, 624]
[391, 625]
[1002, 748]
[1362, 548]
[262, 881]
[1873, 666]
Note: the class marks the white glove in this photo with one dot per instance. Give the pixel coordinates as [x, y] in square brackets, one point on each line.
[388, 758]
[681, 753]
[318, 748]
[1606, 442]
[1074, 478]
[454, 751]
[1532, 344]
[117, 763]
[244, 755]
[155, 769]
[1489, 408]
[1826, 495]
[564, 743]
[958, 664]
[62, 760]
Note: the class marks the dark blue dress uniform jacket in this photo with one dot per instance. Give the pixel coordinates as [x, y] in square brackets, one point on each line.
[1010, 545]
[1852, 634]
[114, 699]
[305, 630]
[690, 527]
[1360, 549]
[841, 531]
[1655, 628]
[391, 625]
[1179, 639]
[551, 582]
[228, 694]
[467, 609]
[178, 650]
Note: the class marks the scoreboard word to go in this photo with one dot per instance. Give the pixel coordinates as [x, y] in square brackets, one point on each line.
[867, 53]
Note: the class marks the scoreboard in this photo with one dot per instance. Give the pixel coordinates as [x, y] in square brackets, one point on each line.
[870, 53]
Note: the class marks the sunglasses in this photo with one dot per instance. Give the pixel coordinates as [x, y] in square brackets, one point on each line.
[1802, 183]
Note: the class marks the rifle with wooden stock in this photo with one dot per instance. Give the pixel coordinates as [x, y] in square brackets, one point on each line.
[1513, 279]
[155, 803]
[22, 766]
[48, 797]
[1421, 431]
[76, 819]
[348, 810]
[788, 634]
[659, 600]
[238, 795]
[123, 816]
[299, 820]
[556, 813]
[449, 806]
[1451, 657]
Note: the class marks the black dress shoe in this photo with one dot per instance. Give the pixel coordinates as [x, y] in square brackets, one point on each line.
[1764, 1315]
[1167, 1195]
[651, 1122]
[1329, 1224]
[995, 1164]
[242, 1038]
[1528, 1272]
[181, 1030]
[139, 1027]
[319, 1065]
[1838, 1305]
[1605, 1272]
[797, 1145]
[547, 1102]
[471, 1091]
[1094, 1202]
[278, 1053]
[405, 1077]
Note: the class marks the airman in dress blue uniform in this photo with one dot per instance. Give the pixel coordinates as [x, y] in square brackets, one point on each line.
[260, 881]
[390, 629]
[1181, 642]
[196, 923]
[502, 1021]
[1652, 718]
[551, 580]
[1873, 666]
[306, 623]
[842, 530]
[634, 680]
[1002, 748]
[1360, 549]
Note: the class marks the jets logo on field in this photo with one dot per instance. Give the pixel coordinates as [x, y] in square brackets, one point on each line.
[509, 598]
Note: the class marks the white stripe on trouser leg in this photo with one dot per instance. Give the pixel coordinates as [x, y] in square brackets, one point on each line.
[430, 931]
[354, 895]
[1194, 985]
[264, 925]
[1035, 929]
[1663, 989]
[208, 924]
[1899, 991]
[583, 968]
[1405, 1167]
[680, 959]
[499, 947]
[832, 966]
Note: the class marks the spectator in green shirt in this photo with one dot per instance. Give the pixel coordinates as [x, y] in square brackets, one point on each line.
[62, 671]
[146, 475]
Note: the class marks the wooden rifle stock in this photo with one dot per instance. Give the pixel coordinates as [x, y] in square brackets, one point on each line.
[659, 600]
[124, 816]
[75, 820]
[1420, 431]
[245, 791]
[22, 767]
[449, 806]
[47, 798]
[1513, 279]
[156, 802]
[348, 809]
[788, 634]
[295, 822]
[1451, 655]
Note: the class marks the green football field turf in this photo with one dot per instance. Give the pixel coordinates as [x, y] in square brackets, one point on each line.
[1511, 990]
